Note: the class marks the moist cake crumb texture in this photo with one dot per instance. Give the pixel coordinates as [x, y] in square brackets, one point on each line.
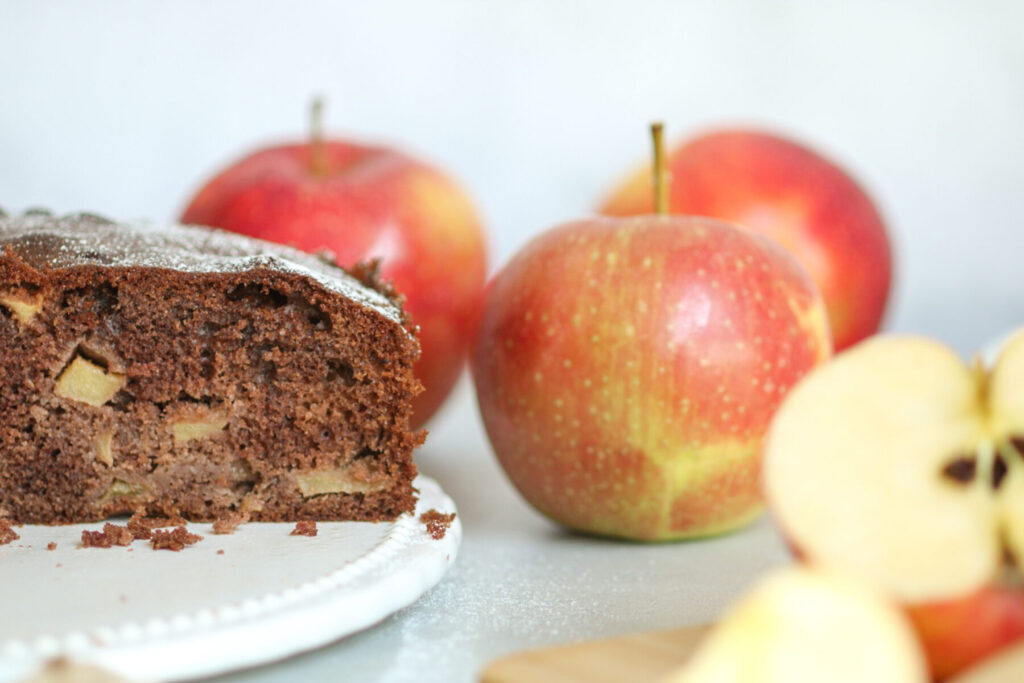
[7, 533]
[110, 536]
[142, 526]
[437, 523]
[176, 539]
[304, 528]
[185, 371]
[228, 523]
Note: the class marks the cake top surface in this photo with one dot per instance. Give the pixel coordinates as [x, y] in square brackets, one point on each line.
[48, 242]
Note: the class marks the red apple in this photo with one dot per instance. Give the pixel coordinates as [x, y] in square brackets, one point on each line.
[627, 369]
[359, 203]
[962, 632]
[784, 190]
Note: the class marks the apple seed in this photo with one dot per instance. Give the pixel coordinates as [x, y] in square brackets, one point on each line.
[961, 470]
[999, 470]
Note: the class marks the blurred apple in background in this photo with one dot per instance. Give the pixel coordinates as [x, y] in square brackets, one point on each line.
[627, 369]
[359, 203]
[803, 625]
[803, 201]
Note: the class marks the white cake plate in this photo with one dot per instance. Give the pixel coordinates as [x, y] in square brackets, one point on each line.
[147, 614]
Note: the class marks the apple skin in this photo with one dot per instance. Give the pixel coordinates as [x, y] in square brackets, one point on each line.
[960, 633]
[627, 369]
[790, 193]
[371, 202]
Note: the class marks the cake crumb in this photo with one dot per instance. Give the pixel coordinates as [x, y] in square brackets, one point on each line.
[173, 540]
[142, 527]
[437, 523]
[51, 546]
[304, 527]
[228, 523]
[7, 534]
[220, 552]
[110, 536]
[95, 539]
[139, 528]
[122, 535]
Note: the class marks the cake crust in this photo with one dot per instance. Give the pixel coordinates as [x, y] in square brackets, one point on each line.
[181, 370]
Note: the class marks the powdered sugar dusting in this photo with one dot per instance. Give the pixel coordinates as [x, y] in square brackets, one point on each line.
[48, 242]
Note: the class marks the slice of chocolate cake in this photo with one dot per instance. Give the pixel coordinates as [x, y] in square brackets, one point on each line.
[184, 370]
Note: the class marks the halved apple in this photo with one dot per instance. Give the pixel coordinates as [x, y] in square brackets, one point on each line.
[901, 465]
[807, 625]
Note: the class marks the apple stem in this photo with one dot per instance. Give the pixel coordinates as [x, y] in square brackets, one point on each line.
[317, 151]
[660, 172]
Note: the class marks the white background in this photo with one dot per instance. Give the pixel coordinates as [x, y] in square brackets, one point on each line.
[538, 107]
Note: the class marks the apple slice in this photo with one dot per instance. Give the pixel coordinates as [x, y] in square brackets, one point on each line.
[806, 625]
[1007, 391]
[899, 464]
[1013, 509]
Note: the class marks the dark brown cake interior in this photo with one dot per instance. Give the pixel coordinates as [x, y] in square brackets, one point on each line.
[129, 388]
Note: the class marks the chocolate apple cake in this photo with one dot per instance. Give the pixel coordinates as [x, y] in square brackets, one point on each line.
[191, 371]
